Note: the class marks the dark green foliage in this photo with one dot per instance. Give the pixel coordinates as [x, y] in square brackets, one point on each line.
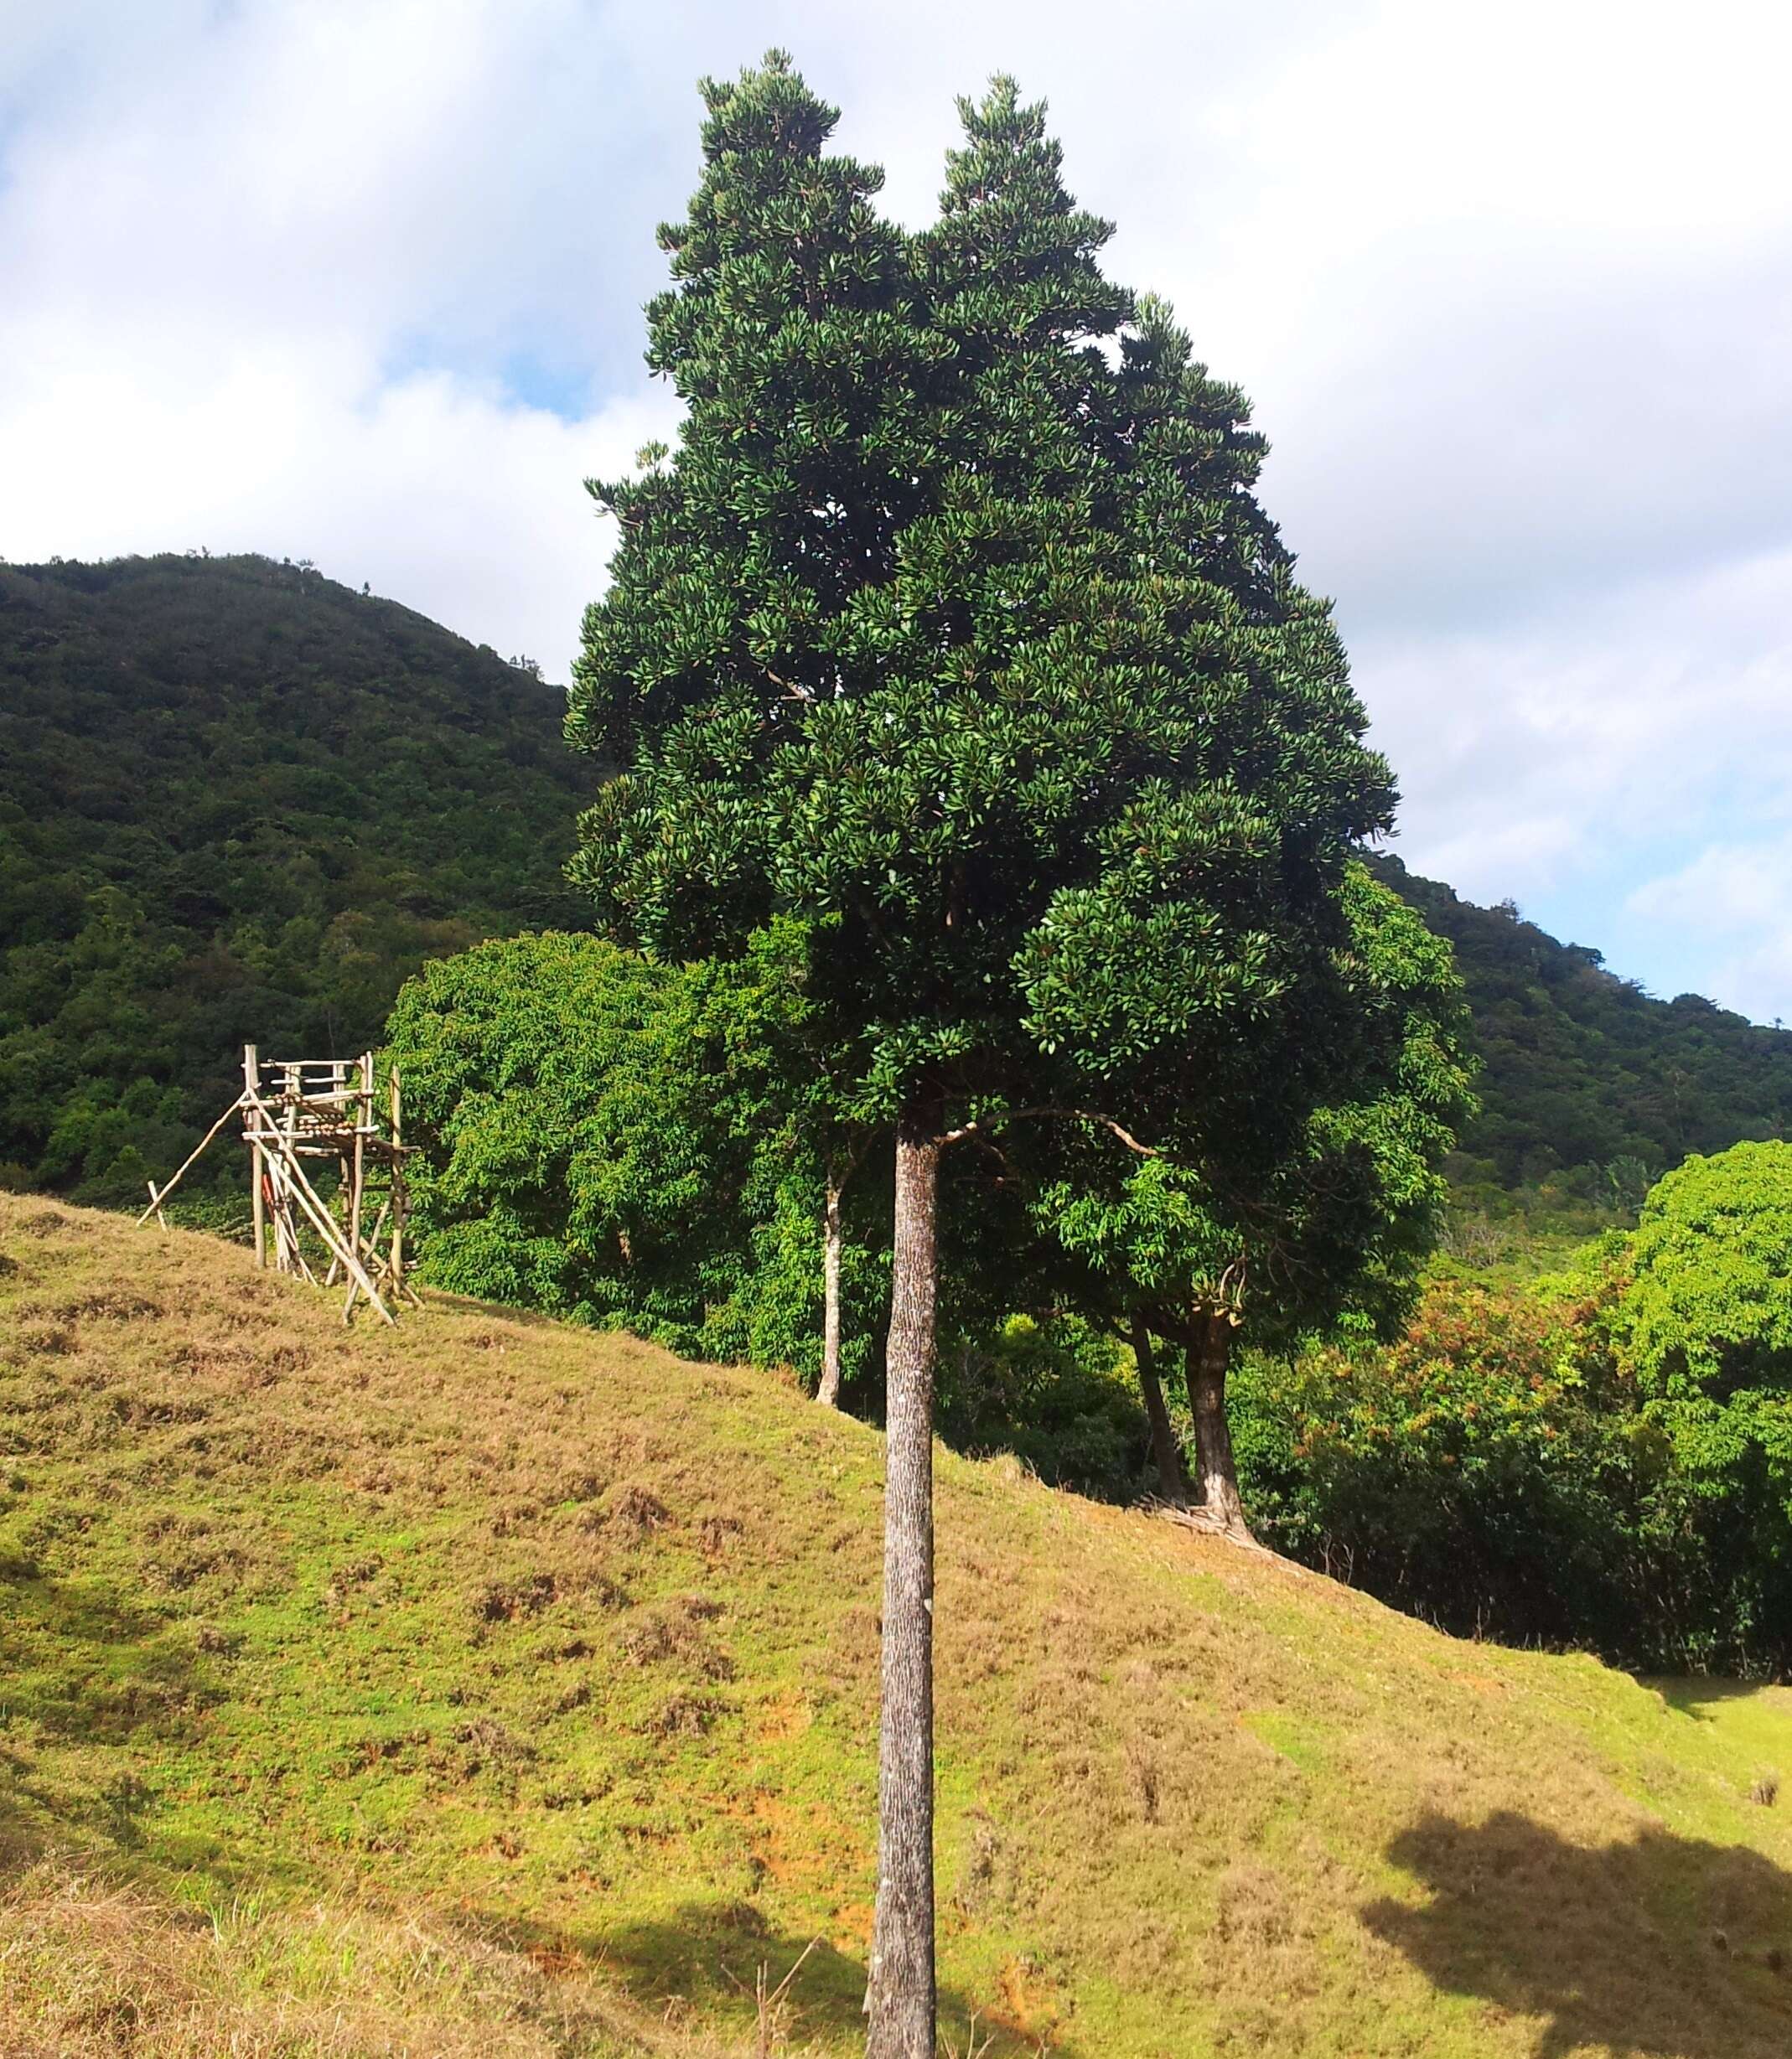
[1057, 1393]
[237, 802]
[1300, 1187]
[1480, 1470]
[1584, 1073]
[946, 627]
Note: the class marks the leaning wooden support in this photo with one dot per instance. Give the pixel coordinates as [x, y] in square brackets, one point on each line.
[321, 1222]
[193, 1158]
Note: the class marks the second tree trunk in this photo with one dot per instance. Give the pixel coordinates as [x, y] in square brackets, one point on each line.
[1210, 1353]
[829, 1389]
[1165, 1449]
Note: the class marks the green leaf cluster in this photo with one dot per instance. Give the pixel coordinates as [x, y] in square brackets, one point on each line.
[1601, 1458]
[619, 1141]
[951, 621]
[1706, 1318]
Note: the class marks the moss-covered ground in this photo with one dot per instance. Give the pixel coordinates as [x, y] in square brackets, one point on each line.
[491, 1686]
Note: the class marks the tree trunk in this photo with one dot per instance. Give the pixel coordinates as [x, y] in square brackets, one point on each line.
[828, 1393]
[900, 1999]
[1171, 1482]
[1209, 1351]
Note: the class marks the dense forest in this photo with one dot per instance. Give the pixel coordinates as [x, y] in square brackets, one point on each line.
[241, 801]
[1582, 1070]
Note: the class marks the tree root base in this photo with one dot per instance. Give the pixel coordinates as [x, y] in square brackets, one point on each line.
[1195, 1517]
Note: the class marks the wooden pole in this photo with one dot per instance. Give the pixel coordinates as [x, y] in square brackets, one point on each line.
[362, 1107]
[319, 1218]
[257, 1199]
[191, 1158]
[339, 1200]
[398, 1195]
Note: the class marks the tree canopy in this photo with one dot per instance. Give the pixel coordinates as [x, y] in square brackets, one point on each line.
[1706, 1317]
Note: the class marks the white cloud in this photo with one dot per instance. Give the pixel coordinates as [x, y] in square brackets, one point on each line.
[1736, 893]
[1511, 285]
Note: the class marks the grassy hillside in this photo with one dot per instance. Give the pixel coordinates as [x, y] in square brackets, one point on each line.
[490, 1686]
[239, 802]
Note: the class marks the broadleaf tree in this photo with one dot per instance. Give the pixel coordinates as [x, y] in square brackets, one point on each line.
[952, 625]
[1297, 1187]
[1705, 1321]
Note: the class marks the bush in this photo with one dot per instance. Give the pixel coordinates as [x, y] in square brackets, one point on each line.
[1501, 1470]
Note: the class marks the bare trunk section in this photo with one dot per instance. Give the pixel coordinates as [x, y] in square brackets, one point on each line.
[900, 2001]
[828, 1393]
[1171, 1482]
[1210, 1352]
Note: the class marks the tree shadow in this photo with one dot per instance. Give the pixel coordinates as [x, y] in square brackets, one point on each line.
[83, 1668]
[1660, 1945]
[1697, 1694]
[708, 1958]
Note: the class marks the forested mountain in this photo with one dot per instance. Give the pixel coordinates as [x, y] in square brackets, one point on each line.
[241, 802]
[1584, 1069]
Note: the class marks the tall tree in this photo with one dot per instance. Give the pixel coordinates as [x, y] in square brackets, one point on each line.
[953, 624]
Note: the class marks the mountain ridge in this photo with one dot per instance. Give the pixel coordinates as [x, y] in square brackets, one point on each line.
[241, 802]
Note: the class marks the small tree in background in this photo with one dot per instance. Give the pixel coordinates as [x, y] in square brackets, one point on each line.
[1706, 1322]
[952, 627]
[1298, 1185]
[622, 1142]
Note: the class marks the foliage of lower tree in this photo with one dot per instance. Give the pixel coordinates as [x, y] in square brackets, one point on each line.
[1601, 1459]
[1706, 1323]
[617, 1142]
[1297, 1187]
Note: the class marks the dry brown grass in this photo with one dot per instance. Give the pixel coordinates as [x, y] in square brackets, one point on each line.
[89, 1971]
[560, 1654]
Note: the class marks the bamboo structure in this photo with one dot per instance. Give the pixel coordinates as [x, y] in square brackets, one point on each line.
[297, 1111]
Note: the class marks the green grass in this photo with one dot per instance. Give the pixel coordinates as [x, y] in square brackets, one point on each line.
[492, 1686]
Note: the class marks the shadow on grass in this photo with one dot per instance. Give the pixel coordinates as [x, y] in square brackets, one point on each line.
[1660, 1945]
[1696, 1695]
[82, 1669]
[707, 1957]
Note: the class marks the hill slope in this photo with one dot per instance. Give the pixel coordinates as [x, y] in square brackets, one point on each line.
[1581, 1067]
[556, 1658]
[239, 802]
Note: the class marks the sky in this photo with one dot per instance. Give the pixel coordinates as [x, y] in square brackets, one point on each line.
[1509, 286]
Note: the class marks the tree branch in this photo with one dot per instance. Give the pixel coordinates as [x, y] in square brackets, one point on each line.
[1064, 1114]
